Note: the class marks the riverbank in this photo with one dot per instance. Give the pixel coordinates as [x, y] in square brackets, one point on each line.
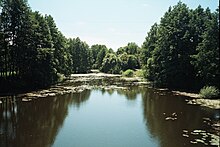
[196, 100]
[77, 83]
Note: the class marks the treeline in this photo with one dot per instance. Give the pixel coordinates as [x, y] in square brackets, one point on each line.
[182, 51]
[112, 62]
[35, 54]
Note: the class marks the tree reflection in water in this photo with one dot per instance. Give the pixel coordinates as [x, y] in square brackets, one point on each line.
[158, 106]
[35, 123]
[131, 92]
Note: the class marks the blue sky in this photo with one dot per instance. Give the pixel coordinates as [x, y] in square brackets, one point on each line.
[110, 22]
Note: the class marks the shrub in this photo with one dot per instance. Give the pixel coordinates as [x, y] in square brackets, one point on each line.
[128, 73]
[139, 73]
[209, 92]
[60, 77]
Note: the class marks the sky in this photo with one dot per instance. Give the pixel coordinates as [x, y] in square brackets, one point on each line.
[113, 23]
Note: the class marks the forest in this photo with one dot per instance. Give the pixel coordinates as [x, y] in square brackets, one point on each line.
[179, 52]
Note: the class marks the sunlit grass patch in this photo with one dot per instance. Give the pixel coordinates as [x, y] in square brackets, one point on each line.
[209, 92]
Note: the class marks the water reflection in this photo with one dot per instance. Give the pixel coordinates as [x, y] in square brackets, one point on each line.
[158, 107]
[35, 123]
[80, 98]
[38, 123]
[131, 93]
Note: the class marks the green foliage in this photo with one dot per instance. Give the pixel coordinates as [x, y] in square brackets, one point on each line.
[139, 73]
[124, 60]
[129, 56]
[171, 57]
[62, 58]
[209, 92]
[206, 61]
[32, 49]
[111, 64]
[81, 56]
[132, 48]
[149, 44]
[183, 50]
[101, 55]
[128, 73]
[128, 61]
[60, 77]
[132, 62]
[42, 73]
[43, 38]
[98, 53]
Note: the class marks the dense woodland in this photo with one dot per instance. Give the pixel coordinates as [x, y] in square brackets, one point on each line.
[182, 51]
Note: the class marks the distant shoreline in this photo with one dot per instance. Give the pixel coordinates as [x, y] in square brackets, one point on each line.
[77, 83]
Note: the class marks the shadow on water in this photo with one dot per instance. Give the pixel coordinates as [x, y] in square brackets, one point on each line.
[35, 123]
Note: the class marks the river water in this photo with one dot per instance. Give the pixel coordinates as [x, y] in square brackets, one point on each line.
[135, 117]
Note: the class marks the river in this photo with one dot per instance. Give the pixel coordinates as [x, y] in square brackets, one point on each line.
[133, 117]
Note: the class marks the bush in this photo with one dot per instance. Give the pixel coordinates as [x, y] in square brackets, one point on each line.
[128, 73]
[209, 92]
[60, 77]
[139, 73]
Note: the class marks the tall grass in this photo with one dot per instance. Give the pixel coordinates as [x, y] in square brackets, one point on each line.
[128, 73]
[209, 92]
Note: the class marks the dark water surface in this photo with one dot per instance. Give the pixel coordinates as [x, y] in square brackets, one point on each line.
[137, 117]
